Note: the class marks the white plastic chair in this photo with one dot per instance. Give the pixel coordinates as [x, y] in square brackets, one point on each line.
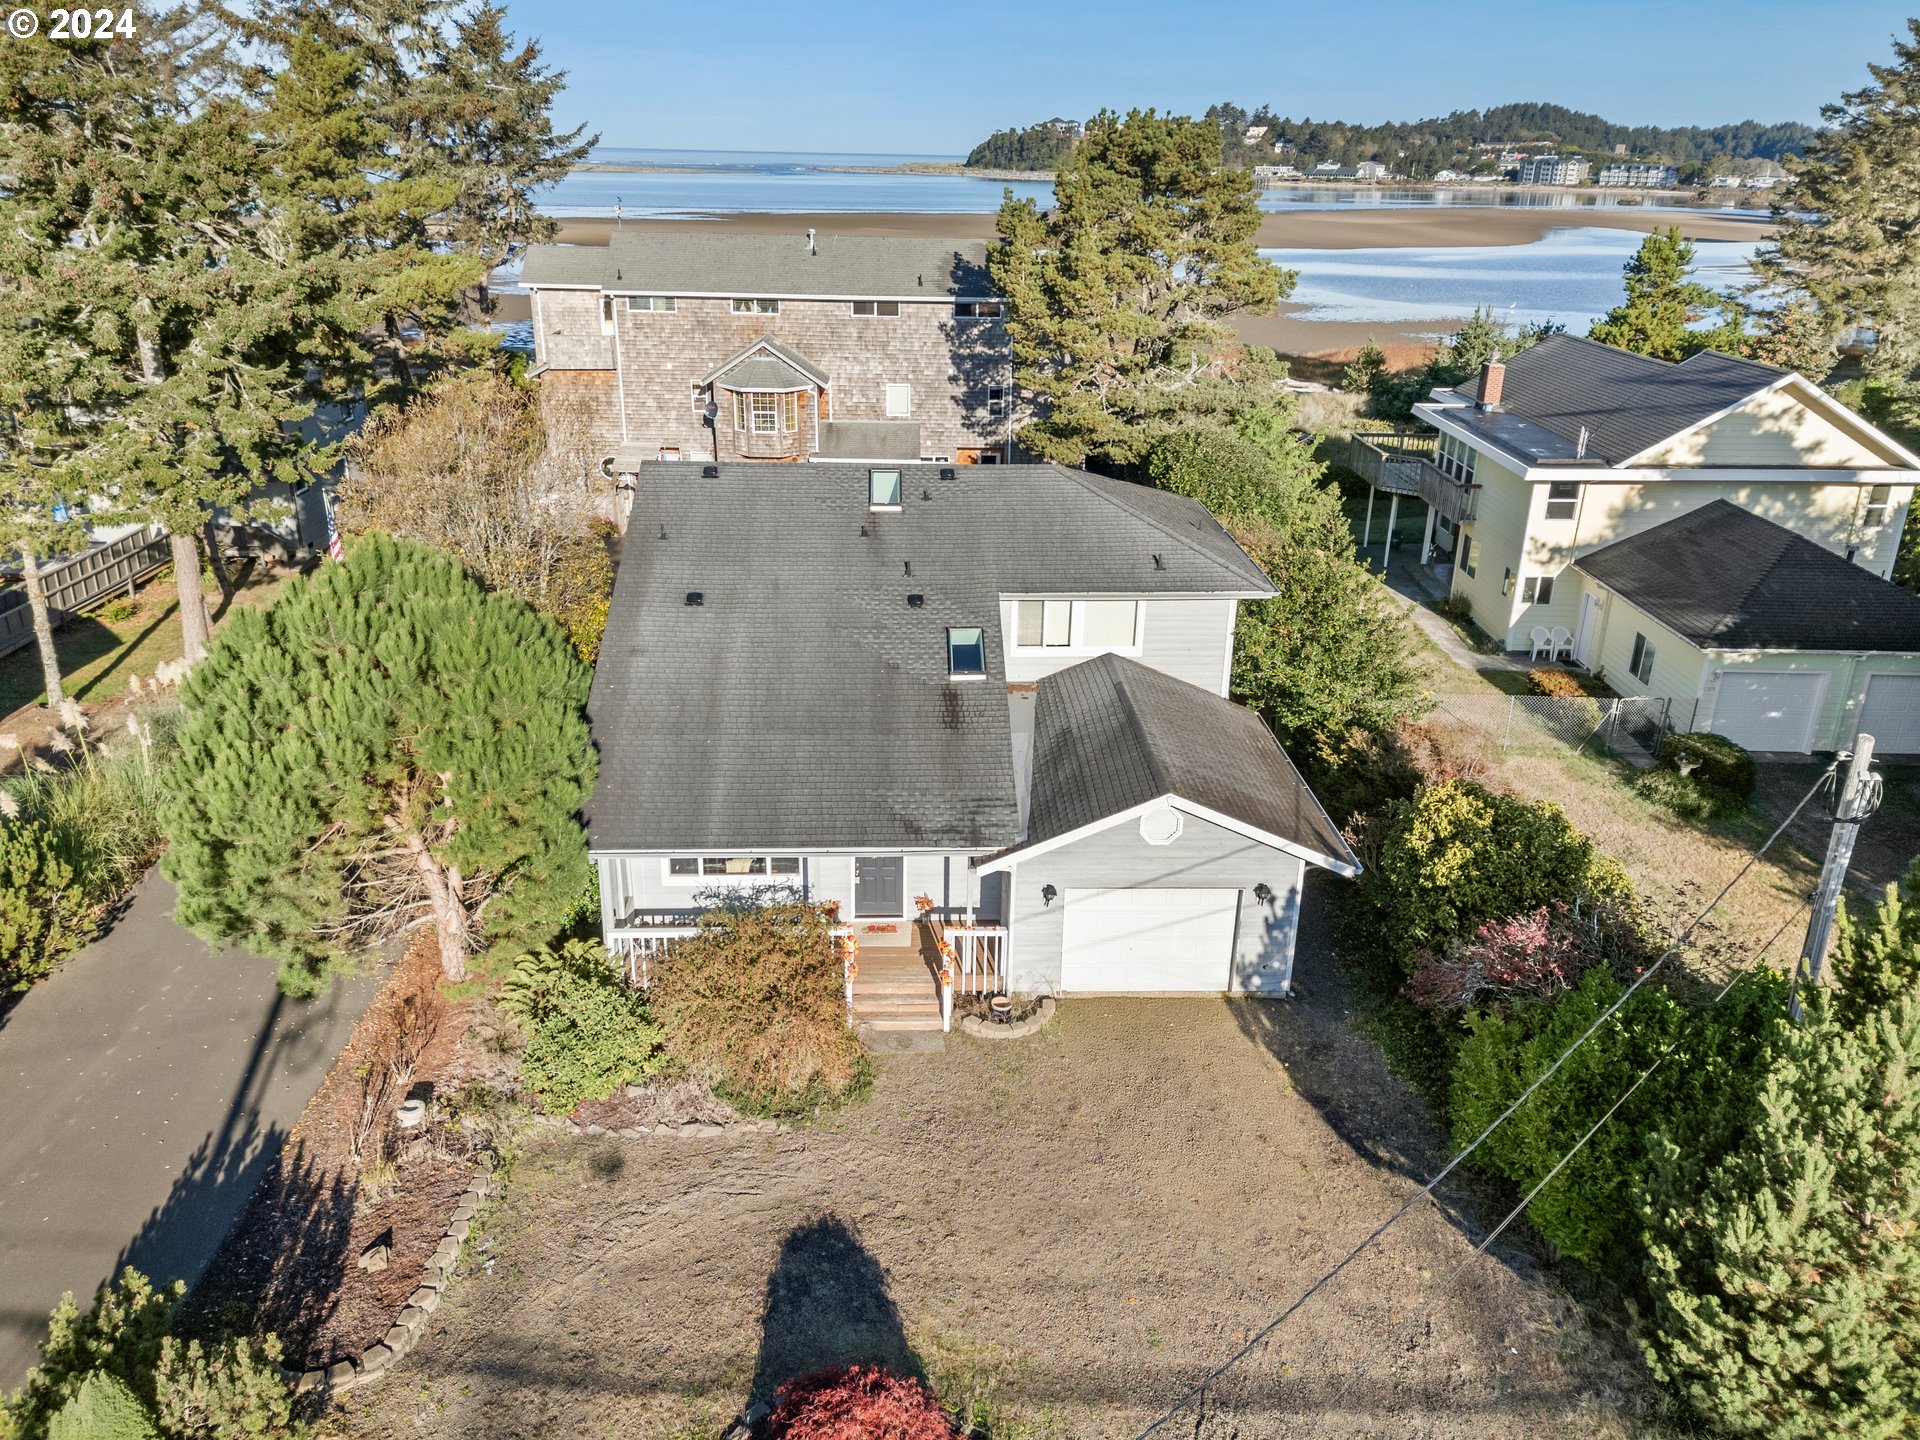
[1562, 643]
[1541, 640]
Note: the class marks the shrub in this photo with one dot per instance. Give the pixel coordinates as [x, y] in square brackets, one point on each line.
[1556, 683]
[590, 1031]
[1523, 957]
[119, 1365]
[1712, 762]
[43, 912]
[103, 1409]
[754, 1004]
[120, 609]
[1459, 854]
[1683, 796]
[859, 1402]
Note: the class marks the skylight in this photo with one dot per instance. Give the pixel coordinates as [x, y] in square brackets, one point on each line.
[883, 489]
[966, 652]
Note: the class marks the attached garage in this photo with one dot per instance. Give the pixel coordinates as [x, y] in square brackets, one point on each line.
[1148, 940]
[1769, 710]
[1167, 844]
[1890, 712]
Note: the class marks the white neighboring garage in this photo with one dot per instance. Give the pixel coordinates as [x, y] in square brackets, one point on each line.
[1758, 634]
[1166, 846]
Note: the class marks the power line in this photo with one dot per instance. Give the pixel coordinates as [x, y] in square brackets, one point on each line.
[1259, 1337]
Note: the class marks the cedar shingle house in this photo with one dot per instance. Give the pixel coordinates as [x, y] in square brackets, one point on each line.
[998, 688]
[717, 347]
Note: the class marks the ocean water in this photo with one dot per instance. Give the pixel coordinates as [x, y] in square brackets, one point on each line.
[688, 183]
[1570, 277]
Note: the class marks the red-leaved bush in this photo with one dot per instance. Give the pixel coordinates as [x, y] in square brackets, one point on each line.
[858, 1402]
[1523, 957]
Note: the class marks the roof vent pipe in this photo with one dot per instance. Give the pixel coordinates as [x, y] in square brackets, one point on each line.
[1493, 379]
[812, 249]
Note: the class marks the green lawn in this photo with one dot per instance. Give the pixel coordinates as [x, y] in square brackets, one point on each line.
[97, 655]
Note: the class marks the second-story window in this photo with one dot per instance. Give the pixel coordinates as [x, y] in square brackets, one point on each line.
[996, 399]
[1076, 624]
[755, 307]
[977, 309]
[651, 302]
[1879, 501]
[876, 307]
[1454, 458]
[606, 314]
[1563, 499]
[766, 412]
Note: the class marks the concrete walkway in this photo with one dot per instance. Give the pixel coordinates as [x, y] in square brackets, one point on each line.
[1417, 592]
[144, 1087]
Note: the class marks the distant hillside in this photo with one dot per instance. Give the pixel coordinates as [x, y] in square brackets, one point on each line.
[1470, 139]
[1038, 147]
[1467, 140]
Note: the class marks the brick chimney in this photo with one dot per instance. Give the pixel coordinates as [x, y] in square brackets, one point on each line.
[1493, 379]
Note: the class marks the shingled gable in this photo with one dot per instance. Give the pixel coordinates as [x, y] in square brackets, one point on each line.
[1112, 736]
[1723, 578]
[1625, 403]
[805, 700]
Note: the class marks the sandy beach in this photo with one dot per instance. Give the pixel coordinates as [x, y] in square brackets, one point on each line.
[1298, 230]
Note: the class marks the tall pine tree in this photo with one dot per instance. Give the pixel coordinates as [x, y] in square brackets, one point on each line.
[1663, 301]
[386, 743]
[1783, 1248]
[1118, 295]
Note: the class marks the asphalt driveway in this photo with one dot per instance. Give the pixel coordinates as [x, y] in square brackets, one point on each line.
[144, 1087]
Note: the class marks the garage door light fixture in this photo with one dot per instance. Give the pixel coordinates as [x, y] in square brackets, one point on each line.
[1047, 894]
[1263, 892]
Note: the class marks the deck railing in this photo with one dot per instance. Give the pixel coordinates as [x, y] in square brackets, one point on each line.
[980, 958]
[81, 581]
[640, 945]
[848, 949]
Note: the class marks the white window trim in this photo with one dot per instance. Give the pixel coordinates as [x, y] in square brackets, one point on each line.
[876, 313]
[668, 308]
[886, 401]
[688, 882]
[1076, 628]
[750, 305]
[772, 427]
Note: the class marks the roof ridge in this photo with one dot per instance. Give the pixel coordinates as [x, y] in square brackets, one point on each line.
[1762, 573]
[1116, 497]
[1162, 779]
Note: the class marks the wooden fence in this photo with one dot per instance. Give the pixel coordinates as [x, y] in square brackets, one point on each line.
[80, 582]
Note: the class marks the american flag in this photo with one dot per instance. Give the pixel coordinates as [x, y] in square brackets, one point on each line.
[335, 550]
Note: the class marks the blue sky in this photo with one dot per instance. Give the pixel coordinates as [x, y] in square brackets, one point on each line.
[912, 77]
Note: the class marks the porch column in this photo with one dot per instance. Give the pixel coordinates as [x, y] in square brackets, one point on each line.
[1393, 516]
[1426, 542]
[1366, 534]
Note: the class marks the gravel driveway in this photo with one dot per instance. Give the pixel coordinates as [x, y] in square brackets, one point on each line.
[1063, 1232]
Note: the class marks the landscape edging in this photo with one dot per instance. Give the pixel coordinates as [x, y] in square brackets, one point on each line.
[1018, 1029]
[404, 1333]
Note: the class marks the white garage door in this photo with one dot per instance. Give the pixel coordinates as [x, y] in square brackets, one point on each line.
[1768, 709]
[1891, 714]
[1148, 940]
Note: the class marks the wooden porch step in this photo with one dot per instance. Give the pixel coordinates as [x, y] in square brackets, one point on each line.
[896, 1022]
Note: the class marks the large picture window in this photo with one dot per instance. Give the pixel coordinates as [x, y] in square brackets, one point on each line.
[695, 869]
[1076, 624]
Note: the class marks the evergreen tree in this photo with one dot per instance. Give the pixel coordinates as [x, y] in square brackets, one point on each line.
[1846, 235]
[1456, 360]
[1663, 300]
[386, 742]
[1368, 366]
[1329, 653]
[1794, 336]
[1784, 1263]
[1118, 295]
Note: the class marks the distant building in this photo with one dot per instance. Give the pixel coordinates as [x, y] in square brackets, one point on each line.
[1724, 182]
[1762, 182]
[1274, 174]
[1552, 170]
[1510, 158]
[1445, 175]
[1060, 126]
[1256, 132]
[1369, 170]
[1639, 175]
[1365, 170]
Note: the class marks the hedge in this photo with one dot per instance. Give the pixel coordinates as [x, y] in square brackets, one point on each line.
[1712, 762]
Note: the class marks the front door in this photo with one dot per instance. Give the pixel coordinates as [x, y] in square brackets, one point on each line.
[879, 886]
[1589, 623]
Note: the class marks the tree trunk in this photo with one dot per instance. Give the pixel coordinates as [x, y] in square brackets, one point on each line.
[449, 911]
[221, 576]
[194, 628]
[42, 626]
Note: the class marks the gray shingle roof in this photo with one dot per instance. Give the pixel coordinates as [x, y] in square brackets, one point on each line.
[1726, 579]
[1111, 733]
[1626, 402]
[784, 367]
[869, 440]
[653, 262]
[804, 702]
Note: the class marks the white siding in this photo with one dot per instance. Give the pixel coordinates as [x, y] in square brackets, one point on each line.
[1188, 639]
[630, 882]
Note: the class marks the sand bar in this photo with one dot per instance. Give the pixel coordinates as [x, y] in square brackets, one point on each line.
[1294, 230]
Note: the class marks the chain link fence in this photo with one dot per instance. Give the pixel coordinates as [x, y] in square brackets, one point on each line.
[1630, 726]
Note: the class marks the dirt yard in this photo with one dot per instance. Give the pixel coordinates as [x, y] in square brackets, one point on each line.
[1061, 1234]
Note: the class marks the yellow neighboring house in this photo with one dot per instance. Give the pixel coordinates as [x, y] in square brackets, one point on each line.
[1545, 464]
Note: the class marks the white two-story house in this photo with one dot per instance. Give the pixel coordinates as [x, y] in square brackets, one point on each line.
[995, 694]
[1566, 483]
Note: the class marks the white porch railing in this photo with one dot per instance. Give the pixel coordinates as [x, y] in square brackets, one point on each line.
[979, 958]
[849, 951]
[641, 945]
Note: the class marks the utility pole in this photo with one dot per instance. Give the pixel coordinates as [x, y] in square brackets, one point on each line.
[1856, 799]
